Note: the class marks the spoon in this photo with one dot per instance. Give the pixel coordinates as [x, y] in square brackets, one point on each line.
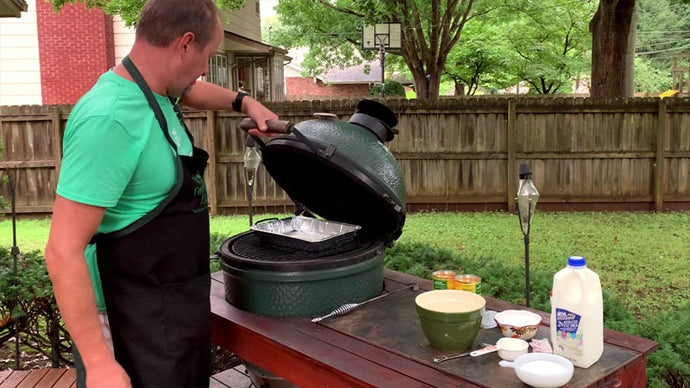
[446, 358]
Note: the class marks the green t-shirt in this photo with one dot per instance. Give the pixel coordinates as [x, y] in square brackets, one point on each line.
[116, 156]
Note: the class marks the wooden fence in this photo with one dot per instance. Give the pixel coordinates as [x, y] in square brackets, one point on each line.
[455, 154]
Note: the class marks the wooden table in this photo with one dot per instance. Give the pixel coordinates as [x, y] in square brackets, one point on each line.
[382, 344]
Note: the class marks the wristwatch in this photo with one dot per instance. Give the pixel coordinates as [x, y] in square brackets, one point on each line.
[237, 104]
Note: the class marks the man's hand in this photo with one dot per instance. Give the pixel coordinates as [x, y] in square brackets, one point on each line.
[107, 375]
[259, 114]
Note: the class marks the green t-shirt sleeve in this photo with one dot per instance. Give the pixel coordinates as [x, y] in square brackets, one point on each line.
[99, 158]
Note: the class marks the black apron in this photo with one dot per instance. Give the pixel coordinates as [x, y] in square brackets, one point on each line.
[156, 281]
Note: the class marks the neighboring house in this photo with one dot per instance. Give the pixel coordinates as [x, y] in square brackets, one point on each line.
[12, 8]
[335, 83]
[54, 58]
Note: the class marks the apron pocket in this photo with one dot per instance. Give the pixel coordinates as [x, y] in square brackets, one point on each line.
[186, 314]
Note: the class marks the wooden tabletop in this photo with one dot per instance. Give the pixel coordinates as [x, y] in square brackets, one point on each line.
[382, 344]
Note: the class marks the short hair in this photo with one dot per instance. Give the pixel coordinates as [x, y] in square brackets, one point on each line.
[161, 21]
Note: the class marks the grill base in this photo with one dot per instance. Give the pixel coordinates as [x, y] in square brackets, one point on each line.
[311, 285]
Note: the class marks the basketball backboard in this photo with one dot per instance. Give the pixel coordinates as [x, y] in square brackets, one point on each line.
[387, 34]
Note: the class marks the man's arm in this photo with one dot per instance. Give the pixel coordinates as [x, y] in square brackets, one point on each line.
[73, 224]
[208, 96]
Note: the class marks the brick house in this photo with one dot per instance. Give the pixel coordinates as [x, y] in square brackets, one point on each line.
[54, 58]
[351, 82]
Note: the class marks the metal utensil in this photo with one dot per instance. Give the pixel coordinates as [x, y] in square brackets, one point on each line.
[454, 356]
[348, 307]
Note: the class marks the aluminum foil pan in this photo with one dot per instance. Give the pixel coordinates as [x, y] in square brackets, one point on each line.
[305, 233]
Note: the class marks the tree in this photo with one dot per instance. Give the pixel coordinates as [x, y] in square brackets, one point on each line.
[544, 44]
[480, 59]
[129, 10]
[610, 28]
[549, 43]
[332, 31]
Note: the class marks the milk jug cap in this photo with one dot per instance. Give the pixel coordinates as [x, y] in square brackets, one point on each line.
[577, 261]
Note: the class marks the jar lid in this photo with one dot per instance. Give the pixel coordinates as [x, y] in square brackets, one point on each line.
[576, 261]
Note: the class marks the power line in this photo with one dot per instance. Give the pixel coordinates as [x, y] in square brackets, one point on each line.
[664, 50]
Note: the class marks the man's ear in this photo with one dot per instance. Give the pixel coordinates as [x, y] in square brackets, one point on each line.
[186, 41]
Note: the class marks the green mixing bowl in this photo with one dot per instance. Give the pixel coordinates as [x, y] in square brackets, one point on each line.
[450, 318]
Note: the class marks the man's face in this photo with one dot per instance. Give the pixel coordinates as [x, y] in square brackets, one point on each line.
[195, 63]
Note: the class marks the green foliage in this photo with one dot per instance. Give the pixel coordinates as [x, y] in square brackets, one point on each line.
[27, 303]
[670, 363]
[129, 10]
[391, 88]
[649, 78]
[549, 43]
[663, 30]
[481, 57]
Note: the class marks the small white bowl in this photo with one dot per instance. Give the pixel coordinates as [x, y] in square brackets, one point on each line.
[511, 348]
[542, 370]
[518, 323]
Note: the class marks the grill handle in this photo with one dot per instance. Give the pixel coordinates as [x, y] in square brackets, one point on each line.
[274, 126]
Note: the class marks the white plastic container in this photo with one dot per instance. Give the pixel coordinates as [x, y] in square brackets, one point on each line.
[577, 314]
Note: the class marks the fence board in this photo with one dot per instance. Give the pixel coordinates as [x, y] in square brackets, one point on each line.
[455, 153]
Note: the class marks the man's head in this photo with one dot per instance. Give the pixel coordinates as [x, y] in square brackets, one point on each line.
[188, 31]
[162, 21]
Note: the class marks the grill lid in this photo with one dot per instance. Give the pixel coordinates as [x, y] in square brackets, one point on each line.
[342, 171]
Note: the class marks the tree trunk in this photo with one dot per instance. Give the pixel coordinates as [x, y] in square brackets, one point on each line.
[630, 57]
[610, 28]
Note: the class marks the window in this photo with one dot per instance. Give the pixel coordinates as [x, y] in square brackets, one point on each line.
[258, 7]
[218, 70]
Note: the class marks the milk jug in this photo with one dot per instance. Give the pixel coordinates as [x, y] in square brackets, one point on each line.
[577, 314]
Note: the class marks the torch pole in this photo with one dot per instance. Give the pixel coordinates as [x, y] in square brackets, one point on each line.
[527, 288]
[15, 254]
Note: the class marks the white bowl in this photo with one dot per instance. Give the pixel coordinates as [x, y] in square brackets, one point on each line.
[510, 348]
[518, 323]
[542, 370]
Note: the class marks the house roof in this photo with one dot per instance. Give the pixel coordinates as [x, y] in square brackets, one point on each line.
[252, 45]
[356, 75]
[352, 75]
[12, 8]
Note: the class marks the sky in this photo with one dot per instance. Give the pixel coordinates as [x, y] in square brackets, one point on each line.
[267, 7]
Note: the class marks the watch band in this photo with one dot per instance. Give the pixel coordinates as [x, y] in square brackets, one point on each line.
[237, 104]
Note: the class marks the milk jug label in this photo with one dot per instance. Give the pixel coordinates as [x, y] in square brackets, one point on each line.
[567, 323]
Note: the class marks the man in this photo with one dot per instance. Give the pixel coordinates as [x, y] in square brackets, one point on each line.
[131, 193]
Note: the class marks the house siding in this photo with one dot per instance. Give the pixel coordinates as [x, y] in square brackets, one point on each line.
[244, 22]
[20, 72]
[123, 38]
[76, 47]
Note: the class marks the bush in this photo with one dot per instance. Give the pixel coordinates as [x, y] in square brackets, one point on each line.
[26, 299]
[392, 88]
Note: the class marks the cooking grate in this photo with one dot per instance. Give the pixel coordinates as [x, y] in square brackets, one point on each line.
[251, 247]
[247, 250]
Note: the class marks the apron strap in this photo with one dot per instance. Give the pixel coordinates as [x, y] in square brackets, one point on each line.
[139, 79]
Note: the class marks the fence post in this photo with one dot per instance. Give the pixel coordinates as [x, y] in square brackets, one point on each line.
[211, 149]
[511, 180]
[57, 139]
[661, 130]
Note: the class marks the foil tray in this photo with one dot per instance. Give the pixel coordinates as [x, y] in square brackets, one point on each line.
[305, 233]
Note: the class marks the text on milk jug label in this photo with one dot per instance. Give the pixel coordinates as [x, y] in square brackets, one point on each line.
[567, 325]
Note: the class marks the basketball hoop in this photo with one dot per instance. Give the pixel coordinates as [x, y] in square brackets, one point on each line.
[381, 37]
[388, 35]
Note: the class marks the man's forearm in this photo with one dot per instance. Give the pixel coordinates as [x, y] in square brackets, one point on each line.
[77, 303]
